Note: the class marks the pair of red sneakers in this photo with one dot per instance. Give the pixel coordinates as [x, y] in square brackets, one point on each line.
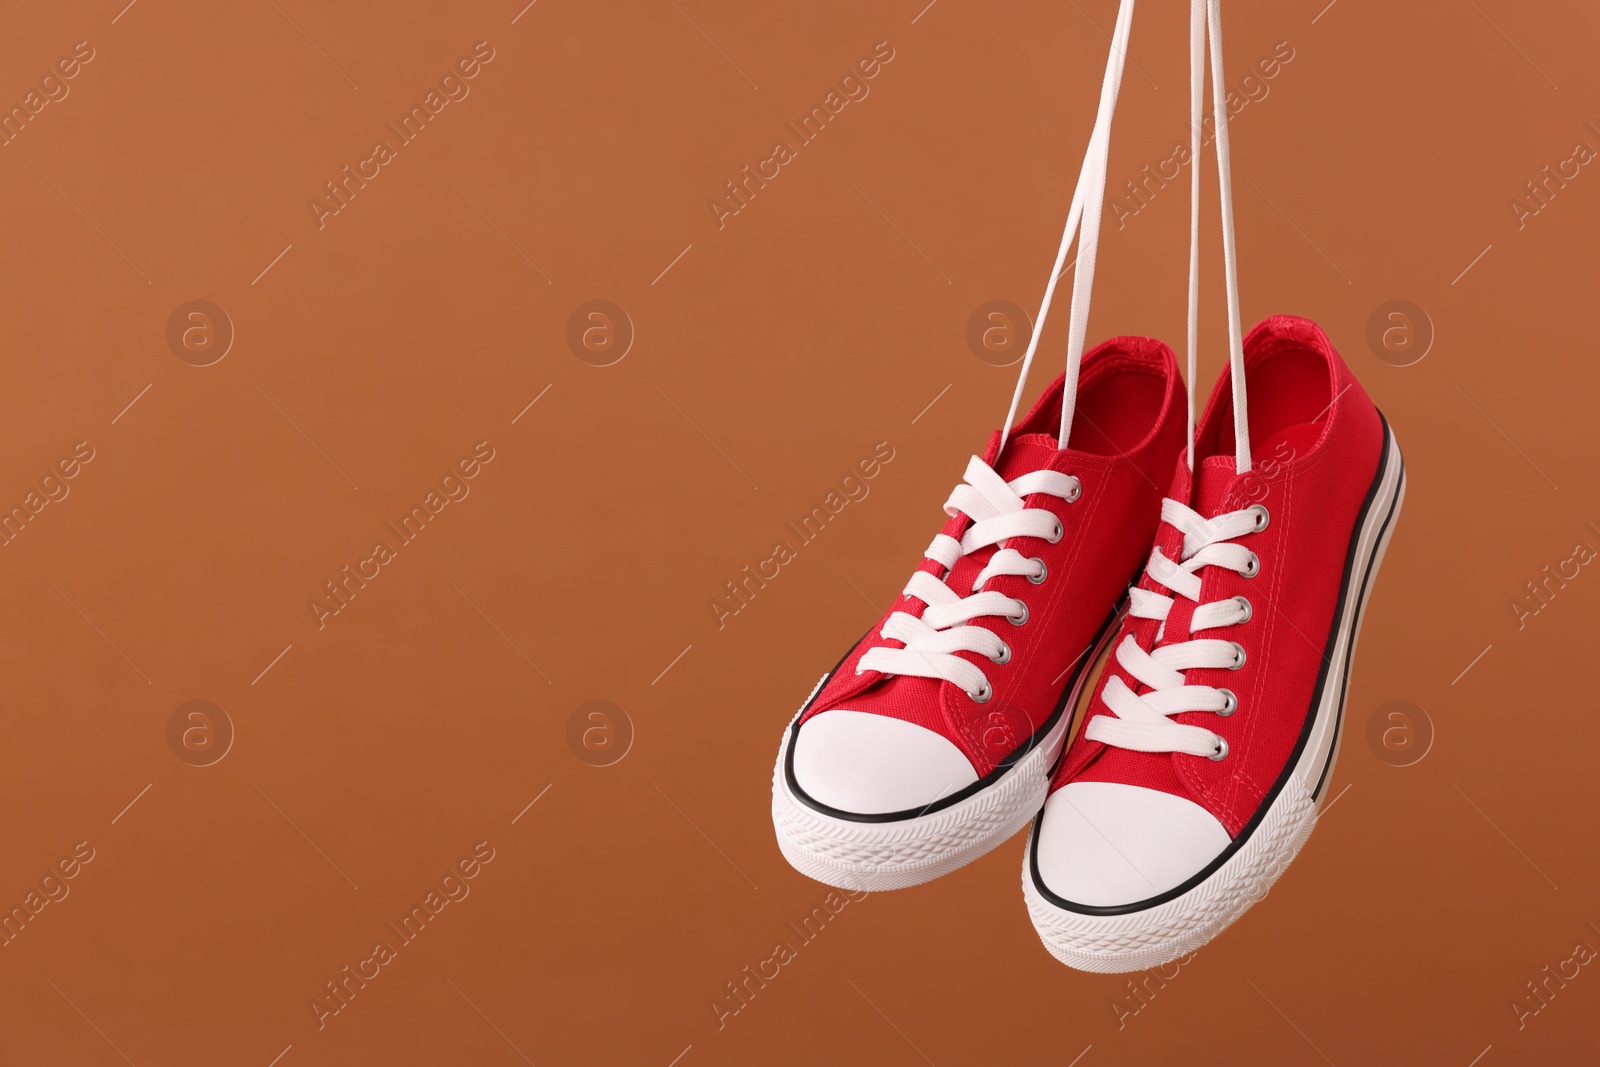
[1208, 744]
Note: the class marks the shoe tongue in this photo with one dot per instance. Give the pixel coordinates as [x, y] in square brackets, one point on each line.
[1214, 485]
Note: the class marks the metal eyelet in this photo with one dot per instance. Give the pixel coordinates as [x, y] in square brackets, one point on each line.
[1249, 612]
[1044, 571]
[985, 691]
[1018, 620]
[1253, 567]
[1263, 516]
[1222, 750]
[1238, 656]
[1075, 492]
[1230, 702]
[1004, 657]
[1058, 534]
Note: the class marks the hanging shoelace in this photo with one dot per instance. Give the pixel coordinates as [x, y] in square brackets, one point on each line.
[1143, 721]
[996, 507]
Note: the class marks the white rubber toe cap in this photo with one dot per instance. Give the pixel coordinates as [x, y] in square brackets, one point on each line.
[872, 765]
[1106, 844]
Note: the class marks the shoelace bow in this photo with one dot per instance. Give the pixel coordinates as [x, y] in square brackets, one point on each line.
[1143, 721]
[998, 511]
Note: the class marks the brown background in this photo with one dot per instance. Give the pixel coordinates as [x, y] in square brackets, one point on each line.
[825, 317]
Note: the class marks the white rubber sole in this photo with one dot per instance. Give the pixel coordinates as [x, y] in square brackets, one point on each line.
[877, 856]
[1139, 940]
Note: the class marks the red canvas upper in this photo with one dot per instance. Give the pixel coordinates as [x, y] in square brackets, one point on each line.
[1316, 441]
[1128, 431]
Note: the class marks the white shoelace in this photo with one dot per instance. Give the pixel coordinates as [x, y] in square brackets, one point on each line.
[998, 512]
[1212, 10]
[1143, 721]
[1083, 222]
[995, 506]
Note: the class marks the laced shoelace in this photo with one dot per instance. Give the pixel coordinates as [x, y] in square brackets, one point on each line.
[1143, 721]
[996, 507]
[998, 513]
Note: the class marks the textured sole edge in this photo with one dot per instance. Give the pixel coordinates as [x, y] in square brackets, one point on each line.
[1136, 941]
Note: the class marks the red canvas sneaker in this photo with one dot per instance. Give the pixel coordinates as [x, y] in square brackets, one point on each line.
[1212, 736]
[932, 740]
[1208, 746]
